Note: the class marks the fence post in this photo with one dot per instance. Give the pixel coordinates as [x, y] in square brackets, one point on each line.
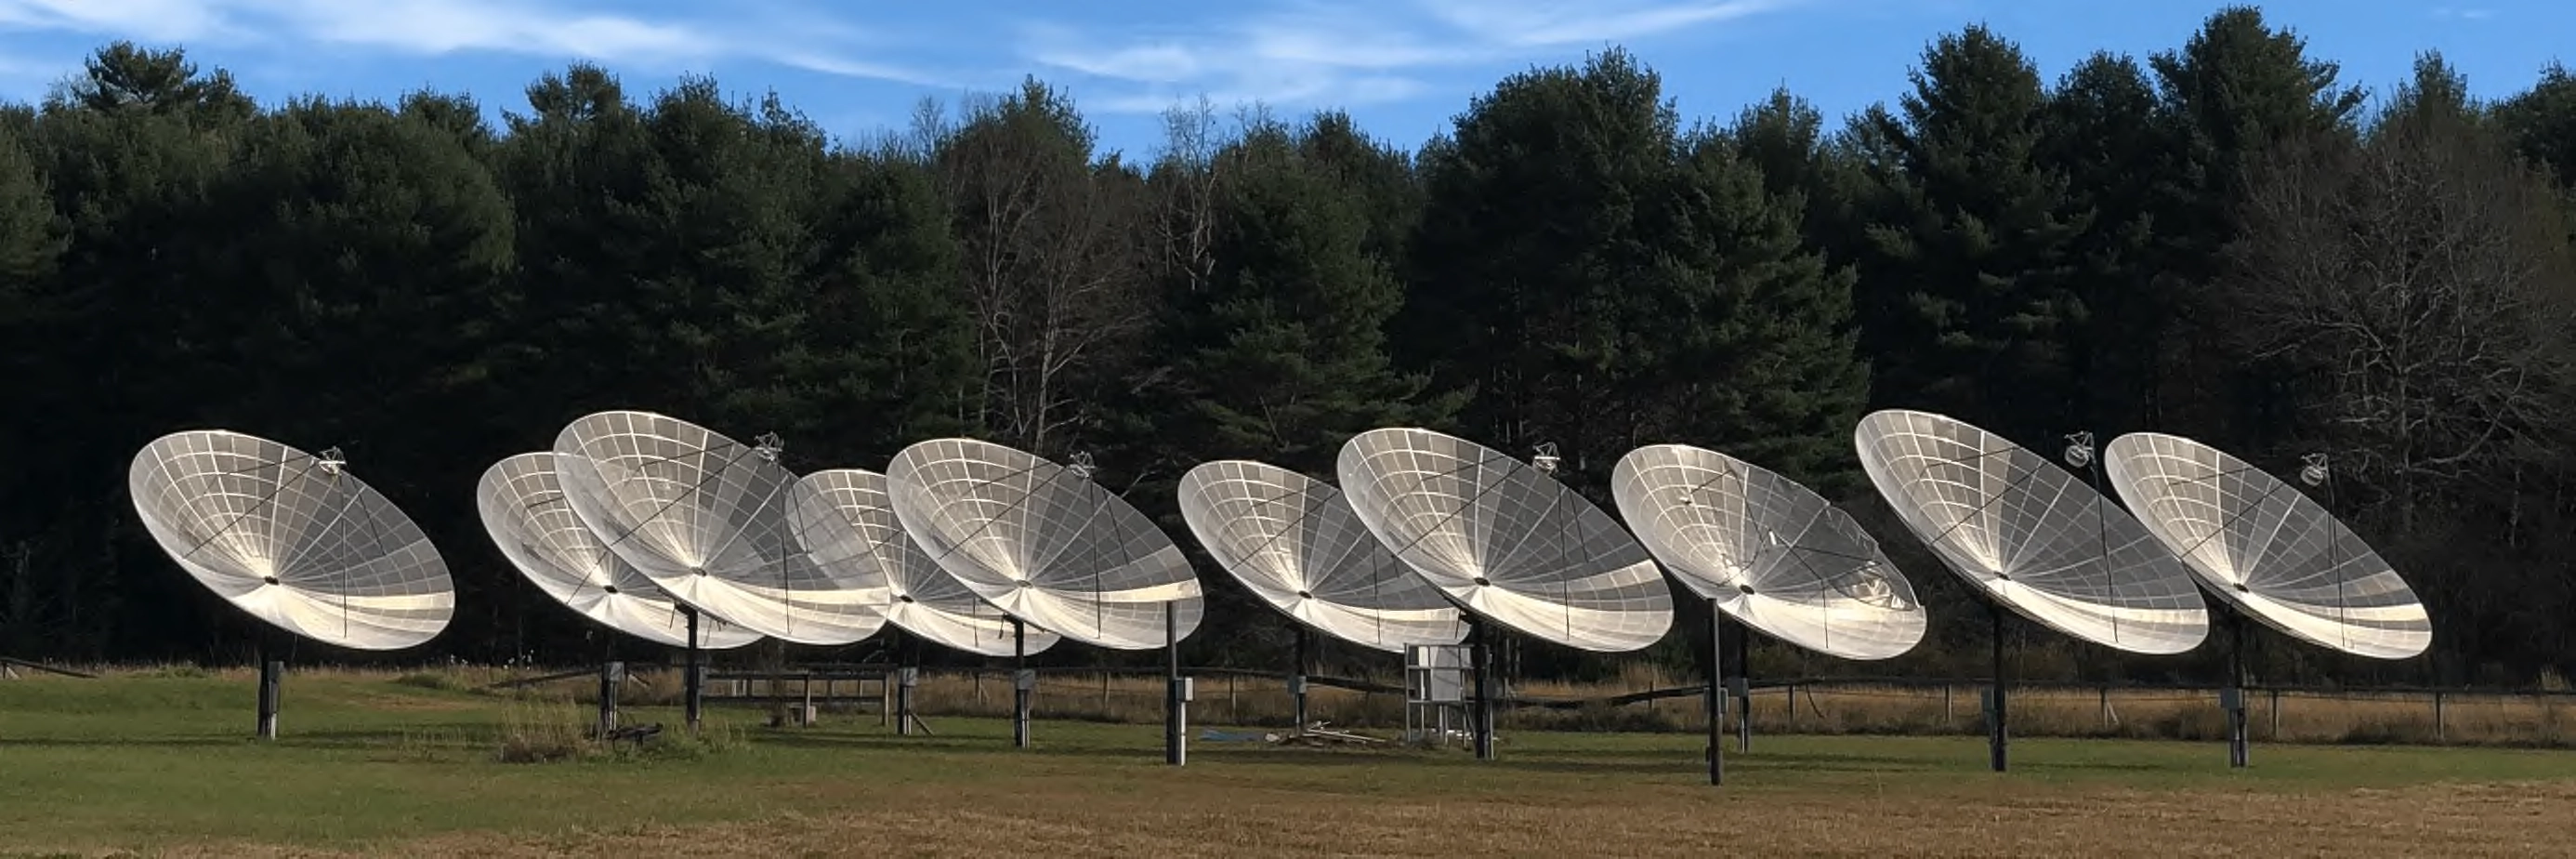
[2438, 718]
[979, 689]
[2276, 714]
[2103, 708]
[1791, 699]
[2548, 715]
[1948, 719]
[1233, 705]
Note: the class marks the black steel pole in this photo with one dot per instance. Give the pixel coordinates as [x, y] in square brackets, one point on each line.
[2239, 746]
[1175, 707]
[1297, 681]
[1744, 692]
[693, 674]
[903, 674]
[271, 671]
[1484, 718]
[1019, 683]
[610, 671]
[1716, 694]
[1997, 733]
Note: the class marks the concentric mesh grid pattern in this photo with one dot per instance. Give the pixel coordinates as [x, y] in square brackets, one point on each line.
[924, 599]
[720, 527]
[1505, 540]
[2266, 548]
[1043, 542]
[1293, 541]
[1770, 552]
[306, 547]
[522, 505]
[2030, 534]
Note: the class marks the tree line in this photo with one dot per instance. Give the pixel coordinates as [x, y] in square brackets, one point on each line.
[2225, 240]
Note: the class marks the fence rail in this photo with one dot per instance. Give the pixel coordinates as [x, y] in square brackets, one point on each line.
[2278, 712]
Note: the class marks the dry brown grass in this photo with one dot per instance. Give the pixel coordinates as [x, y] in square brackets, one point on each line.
[2140, 713]
[2289, 717]
[1061, 817]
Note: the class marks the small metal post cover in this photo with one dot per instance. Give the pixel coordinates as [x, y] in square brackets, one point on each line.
[1024, 687]
[271, 676]
[1716, 695]
[611, 674]
[1184, 690]
[905, 679]
[2231, 700]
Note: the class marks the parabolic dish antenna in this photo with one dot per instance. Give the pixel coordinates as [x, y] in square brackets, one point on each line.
[2266, 548]
[293, 539]
[1507, 541]
[1292, 541]
[924, 600]
[1768, 551]
[720, 526]
[523, 507]
[2030, 535]
[1044, 543]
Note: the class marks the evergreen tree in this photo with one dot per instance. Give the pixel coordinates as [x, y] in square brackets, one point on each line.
[36, 607]
[576, 168]
[1775, 315]
[115, 355]
[2233, 92]
[2104, 136]
[886, 335]
[1283, 355]
[1540, 279]
[1975, 271]
[2542, 121]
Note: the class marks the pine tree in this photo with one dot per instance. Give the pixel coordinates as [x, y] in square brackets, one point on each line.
[1283, 355]
[2104, 135]
[1775, 315]
[1974, 272]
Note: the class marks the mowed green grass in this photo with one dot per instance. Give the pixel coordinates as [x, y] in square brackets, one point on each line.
[370, 766]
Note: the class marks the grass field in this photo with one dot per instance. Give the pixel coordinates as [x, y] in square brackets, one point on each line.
[375, 764]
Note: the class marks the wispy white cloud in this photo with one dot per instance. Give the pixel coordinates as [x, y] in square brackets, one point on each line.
[675, 38]
[1530, 25]
[149, 20]
[1351, 52]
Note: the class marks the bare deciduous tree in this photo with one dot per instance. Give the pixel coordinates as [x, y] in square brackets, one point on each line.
[1049, 260]
[2420, 277]
[1185, 181]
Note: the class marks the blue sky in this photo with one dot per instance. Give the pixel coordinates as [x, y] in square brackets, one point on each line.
[1402, 67]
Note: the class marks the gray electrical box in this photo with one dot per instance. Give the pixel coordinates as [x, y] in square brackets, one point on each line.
[1436, 673]
[907, 677]
[1025, 680]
